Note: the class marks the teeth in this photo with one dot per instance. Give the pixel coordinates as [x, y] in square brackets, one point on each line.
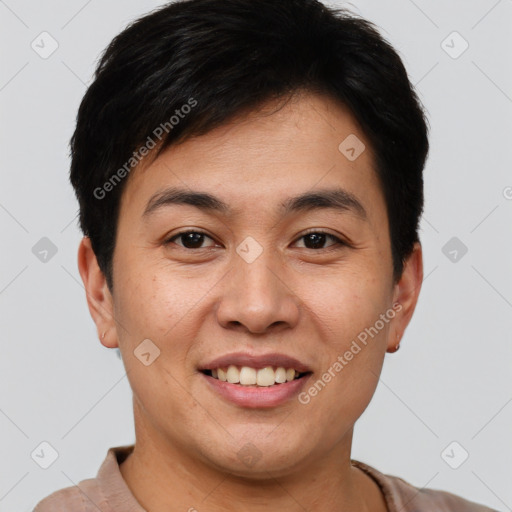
[290, 374]
[266, 376]
[247, 376]
[281, 375]
[233, 375]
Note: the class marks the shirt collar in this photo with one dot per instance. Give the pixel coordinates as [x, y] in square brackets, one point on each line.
[112, 484]
[119, 496]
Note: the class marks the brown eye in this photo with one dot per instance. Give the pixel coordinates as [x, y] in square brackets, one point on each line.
[190, 239]
[317, 240]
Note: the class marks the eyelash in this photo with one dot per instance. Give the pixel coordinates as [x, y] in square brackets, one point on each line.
[338, 241]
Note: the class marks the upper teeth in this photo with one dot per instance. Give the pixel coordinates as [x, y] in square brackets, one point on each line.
[250, 376]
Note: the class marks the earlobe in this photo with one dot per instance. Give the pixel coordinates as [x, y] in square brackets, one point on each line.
[99, 298]
[407, 291]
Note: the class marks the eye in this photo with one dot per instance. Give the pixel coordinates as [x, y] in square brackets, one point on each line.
[194, 240]
[316, 240]
[190, 239]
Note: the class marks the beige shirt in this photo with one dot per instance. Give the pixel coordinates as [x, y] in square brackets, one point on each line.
[108, 492]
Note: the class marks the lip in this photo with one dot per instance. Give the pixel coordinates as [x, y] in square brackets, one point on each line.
[256, 397]
[256, 361]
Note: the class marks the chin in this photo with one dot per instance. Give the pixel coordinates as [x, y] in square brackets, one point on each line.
[257, 457]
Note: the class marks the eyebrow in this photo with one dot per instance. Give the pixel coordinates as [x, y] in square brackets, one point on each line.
[337, 199]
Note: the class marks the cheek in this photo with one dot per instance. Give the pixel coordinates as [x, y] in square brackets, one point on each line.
[351, 320]
[351, 303]
[150, 307]
[155, 302]
[148, 301]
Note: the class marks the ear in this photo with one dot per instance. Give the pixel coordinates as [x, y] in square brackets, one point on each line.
[406, 294]
[98, 295]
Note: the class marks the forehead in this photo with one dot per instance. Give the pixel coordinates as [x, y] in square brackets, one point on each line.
[263, 159]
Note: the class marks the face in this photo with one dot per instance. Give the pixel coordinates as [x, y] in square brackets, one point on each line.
[254, 277]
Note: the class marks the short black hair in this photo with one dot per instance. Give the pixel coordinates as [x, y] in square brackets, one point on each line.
[193, 65]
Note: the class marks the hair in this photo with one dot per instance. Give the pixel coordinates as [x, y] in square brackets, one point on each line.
[212, 61]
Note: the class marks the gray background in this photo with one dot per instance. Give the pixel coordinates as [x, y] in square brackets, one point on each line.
[451, 379]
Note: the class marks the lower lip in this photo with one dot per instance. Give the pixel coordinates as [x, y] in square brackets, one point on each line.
[257, 397]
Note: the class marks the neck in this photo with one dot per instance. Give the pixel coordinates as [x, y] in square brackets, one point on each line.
[164, 477]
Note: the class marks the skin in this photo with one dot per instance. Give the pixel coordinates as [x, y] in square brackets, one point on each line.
[198, 304]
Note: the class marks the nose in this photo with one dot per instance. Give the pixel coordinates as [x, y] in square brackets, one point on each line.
[258, 297]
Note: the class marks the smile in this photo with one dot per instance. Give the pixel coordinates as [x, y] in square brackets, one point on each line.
[247, 376]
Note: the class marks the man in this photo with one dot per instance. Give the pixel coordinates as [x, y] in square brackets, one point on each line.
[249, 174]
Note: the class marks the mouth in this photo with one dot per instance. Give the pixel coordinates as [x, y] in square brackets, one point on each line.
[255, 381]
[248, 376]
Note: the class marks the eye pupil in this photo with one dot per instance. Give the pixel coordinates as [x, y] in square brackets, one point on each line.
[318, 240]
[195, 239]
